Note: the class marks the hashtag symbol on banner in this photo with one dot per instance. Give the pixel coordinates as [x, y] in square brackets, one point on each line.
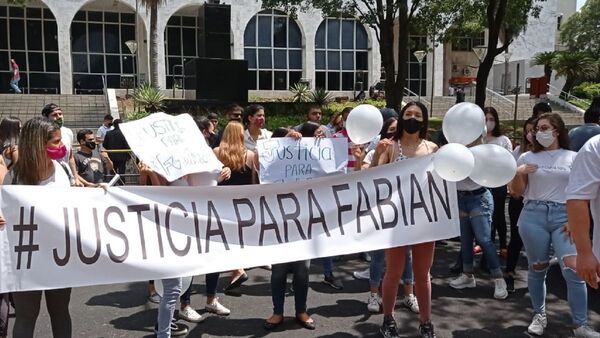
[23, 227]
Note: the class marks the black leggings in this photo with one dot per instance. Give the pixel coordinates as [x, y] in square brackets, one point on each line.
[4, 307]
[499, 217]
[27, 309]
[515, 205]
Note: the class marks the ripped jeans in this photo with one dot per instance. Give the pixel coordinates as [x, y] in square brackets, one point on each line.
[476, 209]
[540, 226]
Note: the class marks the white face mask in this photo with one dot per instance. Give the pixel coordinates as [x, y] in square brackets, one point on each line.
[545, 138]
[490, 125]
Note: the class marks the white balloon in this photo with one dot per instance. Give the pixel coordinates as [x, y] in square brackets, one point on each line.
[453, 162]
[463, 123]
[158, 285]
[364, 123]
[494, 167]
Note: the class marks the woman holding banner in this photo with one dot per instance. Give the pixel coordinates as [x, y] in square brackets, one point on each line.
[409, 141]
[40, 141]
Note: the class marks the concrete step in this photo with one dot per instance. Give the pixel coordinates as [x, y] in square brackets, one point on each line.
[80, 111]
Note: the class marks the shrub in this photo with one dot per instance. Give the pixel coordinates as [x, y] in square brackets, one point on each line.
[586, 90]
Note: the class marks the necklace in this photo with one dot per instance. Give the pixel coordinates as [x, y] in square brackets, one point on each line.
[401, 155]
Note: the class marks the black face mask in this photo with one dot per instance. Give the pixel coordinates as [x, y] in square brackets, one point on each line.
[91, 145]
[412, 125]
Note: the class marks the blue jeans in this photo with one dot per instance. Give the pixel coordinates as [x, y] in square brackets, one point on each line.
[279, 273]
[540, 226]
[14, 84]
[166, 308]
[327, 263]
[476, 209]
[377, 266]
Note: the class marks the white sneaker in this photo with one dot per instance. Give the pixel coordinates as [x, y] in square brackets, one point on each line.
[410, 302]
[538, 324]
[190, 315]
[374, 303]
[218, 308]
[586, 331]
[362, 275]
[500, 291]
[463, 281]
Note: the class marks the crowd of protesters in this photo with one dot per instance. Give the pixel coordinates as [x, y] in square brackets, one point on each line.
[553, 202]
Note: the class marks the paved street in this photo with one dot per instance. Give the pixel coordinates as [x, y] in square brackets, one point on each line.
[121, 310]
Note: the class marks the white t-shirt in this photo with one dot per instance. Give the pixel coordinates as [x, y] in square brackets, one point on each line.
[584, 183]
[67, 140]
[58, 179]
[549, 181]
[517, 153]
[250, 143]
[501, 140]
[203, 179]
[101, 133]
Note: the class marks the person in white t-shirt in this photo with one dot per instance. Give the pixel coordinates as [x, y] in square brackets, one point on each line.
[494, 136]
[104, 128]
[542, 176]
[41, 147]
[583, 196]
[254, 118]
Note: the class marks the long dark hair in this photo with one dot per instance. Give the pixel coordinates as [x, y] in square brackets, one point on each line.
[424, 126]
[492, 111]
[386, 126]
[557, 122]
[10, 128]
[525, 146]
[308, 129]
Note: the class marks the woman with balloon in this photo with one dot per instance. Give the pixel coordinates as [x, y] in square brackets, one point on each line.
[474, 167]
[541, 179]
[408, 142]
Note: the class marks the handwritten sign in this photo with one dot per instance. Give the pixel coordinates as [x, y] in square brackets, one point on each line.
[173, 146]
[289, 160]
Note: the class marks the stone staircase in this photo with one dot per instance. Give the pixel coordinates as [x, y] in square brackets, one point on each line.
[80, 111]
[504, 106]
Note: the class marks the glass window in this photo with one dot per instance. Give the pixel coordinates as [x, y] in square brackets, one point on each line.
[34, 13]
[16, 12]
[112, 41]
[341, 49]
[34, 35]
[48, 14]
[36, 61]
[78, 37]
[50, 36]
[95, 39]
[95, 16]
[96, 63]
[181, 44]
[79, 16]
[127, 64]
[250, 33]
[17, 32]
[280, 32]
[270, 68]
[188, 21]
[3, 11]
[189, 45]
[113, 64]
[3, 33]
[173, 40]
[4, 65]
[111, 17]
[280, 59]
[264, 31]
[128, 18]
[52, 62]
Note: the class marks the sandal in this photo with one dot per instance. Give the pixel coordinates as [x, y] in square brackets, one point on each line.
[238, 282]
[309, 324]
[269, 326]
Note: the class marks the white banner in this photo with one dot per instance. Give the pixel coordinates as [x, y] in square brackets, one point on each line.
[287, 160]
[69, 237]
[172, 146]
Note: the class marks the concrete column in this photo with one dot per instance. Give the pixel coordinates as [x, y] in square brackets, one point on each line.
[64, 56]
[308, 26]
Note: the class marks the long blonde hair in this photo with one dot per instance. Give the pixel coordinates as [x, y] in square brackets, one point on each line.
[35, 134]
[232, 151]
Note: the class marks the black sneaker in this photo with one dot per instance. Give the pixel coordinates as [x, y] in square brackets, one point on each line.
[333, 282]
[510, 283]
[176, 329]
[426, 330]
[389, 329]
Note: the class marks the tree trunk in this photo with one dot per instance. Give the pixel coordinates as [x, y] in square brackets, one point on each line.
[547, 72]
[569, 84]
[403, 49]
[386, 50]
[482, 76]
[154, 38]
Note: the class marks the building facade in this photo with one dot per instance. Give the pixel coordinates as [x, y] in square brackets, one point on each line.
[78, 46]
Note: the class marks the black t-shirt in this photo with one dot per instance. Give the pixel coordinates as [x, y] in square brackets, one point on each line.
[115, 139]
[89, 166]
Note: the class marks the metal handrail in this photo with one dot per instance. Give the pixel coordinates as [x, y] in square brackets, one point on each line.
[421, 98]
[500, 96]
[568, 96]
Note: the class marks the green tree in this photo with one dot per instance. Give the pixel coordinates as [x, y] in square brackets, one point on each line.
[580, 31]
[152, 7]
[575, 67]
[381, 15]
[544, 59]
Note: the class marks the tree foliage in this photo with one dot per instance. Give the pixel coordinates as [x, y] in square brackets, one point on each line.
[580, 32]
